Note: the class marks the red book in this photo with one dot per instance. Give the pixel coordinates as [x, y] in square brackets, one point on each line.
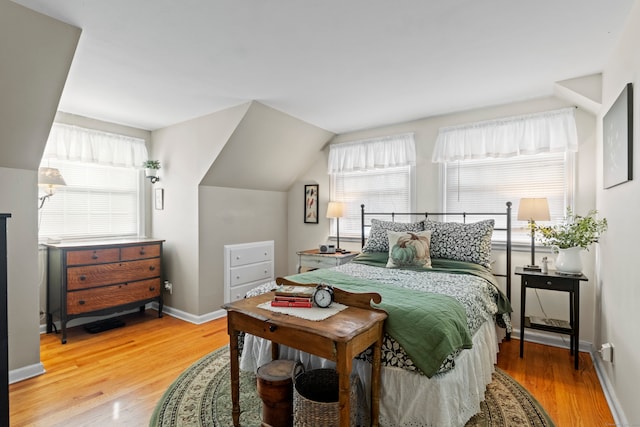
[291, 299]
[306, 304]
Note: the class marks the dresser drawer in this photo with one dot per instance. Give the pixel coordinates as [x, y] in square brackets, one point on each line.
[250, 255]
[239, 292]
[107, 274]
[251, 273]
[93, 256]
[310, 261]
[109, 296]
[140, 252]
[554, 283]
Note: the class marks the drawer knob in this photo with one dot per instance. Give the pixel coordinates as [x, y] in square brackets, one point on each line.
[549, 283]
[94, 256]
[152, 288]
[83, 277]
[142, 251]
[81, 302]
[152, 267]
[272, 328]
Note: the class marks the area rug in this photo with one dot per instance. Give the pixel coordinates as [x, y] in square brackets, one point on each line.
[201, 397]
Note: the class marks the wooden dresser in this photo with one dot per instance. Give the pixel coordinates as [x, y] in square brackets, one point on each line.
[96, 278]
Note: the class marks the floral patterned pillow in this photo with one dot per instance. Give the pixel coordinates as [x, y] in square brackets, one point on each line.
[409, 249]
[378, 240]
[462, 242]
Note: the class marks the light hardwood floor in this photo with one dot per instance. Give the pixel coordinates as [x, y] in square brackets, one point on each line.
[115, 378]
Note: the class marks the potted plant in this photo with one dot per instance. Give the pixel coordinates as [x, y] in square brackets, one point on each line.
[151, 167]
[571, 237]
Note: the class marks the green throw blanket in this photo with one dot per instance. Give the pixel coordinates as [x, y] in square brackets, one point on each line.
[441, 320]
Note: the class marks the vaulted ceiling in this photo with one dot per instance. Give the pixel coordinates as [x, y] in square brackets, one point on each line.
[339, 65]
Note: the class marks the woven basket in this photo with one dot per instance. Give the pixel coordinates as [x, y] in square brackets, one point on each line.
[316, 400]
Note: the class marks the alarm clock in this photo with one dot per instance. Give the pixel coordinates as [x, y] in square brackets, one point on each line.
[323, 296]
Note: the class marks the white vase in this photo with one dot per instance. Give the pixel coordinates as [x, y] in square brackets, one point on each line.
[150, 172]
[569, 260]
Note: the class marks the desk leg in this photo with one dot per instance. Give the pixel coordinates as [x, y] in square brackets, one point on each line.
[235, 376]
[375, 382]
[343, 366]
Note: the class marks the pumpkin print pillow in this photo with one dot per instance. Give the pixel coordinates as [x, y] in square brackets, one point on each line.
[409, 249]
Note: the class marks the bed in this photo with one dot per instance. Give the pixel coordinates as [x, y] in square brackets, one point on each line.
[443, 291]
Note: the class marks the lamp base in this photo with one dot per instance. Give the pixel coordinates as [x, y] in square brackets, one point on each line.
[532, 268]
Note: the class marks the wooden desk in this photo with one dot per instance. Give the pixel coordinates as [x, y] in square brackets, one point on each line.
[339, 338]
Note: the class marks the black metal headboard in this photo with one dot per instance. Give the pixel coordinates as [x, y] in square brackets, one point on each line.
[464, 215]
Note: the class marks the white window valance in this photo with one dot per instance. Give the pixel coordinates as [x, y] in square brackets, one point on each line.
[547, 132]
[368, 154]
[67, 142]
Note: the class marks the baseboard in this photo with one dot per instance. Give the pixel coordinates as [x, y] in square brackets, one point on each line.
[551, 339]
[188, 317]
[609, 393]
[556, 340]
[26, 372]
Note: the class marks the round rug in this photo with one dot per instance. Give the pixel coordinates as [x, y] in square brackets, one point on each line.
[201, 397]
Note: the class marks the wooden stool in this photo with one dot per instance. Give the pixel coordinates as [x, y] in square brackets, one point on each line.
[275, 388]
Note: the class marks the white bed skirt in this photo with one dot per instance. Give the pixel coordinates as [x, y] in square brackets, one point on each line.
[408, 399]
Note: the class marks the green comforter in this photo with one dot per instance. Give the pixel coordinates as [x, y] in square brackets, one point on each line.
[440, 319]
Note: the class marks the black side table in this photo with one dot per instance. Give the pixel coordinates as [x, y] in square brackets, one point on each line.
[553, 281]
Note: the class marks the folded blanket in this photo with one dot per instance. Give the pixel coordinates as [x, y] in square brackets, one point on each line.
[428, 326]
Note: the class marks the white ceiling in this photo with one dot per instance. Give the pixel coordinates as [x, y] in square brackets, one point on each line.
[341, 65]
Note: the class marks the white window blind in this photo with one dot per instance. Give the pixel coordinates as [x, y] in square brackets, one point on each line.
[381, 190]
[485, 185]
[98, 201]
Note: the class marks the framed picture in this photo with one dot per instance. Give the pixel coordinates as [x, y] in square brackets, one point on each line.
[159, 198]
[311, 203]
[617, 138]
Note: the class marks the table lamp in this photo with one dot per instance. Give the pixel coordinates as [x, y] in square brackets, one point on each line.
[532, 210]
[336, 210]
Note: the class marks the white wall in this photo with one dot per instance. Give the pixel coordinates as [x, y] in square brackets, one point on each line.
[36, 55]
[186, 151]
[18, 196]
[618, 287]
[230, 216]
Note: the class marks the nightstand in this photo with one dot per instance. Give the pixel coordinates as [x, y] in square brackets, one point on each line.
[552, 281]
[312, 259]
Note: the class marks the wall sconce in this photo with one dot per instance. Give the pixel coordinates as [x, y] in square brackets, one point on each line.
[151, 170]
[48, 180]
[153, 178]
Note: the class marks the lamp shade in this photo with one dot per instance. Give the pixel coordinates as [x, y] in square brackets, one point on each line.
[335, 210]
[533, 209]
[49, 178]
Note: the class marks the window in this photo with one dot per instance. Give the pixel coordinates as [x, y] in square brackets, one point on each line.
[489, 163]
[486, 185]
[378, 173]
[100, 199]
[381, 190]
